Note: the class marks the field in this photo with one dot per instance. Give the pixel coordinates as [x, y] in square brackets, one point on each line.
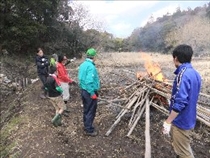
[135, 62]
[30, 134]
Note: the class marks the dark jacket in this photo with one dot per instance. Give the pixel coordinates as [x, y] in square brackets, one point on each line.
[53, 87]
[185, 94]
[42, 64]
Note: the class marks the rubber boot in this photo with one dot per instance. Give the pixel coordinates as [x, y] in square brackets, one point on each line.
[59, 121]
[55, 119]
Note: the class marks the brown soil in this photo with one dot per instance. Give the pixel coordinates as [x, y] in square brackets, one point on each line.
[36, 137]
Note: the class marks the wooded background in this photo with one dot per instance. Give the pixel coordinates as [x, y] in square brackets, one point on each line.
[58, 27]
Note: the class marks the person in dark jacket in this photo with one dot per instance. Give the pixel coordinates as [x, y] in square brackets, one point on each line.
[185, 92]
[42, 64]
[54, 89]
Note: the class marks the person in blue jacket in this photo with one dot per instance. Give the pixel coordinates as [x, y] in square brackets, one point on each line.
[89, 84]
[185, 92]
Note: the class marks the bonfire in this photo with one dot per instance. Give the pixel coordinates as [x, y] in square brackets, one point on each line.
[153, 89]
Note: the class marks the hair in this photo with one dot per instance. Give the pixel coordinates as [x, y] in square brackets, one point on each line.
[38, 49]
[52, 69]
[60, 58]
[90, 57]
[183, 53]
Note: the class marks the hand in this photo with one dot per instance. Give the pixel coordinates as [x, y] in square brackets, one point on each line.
[94, 96]
[166, 128]
[72, 82]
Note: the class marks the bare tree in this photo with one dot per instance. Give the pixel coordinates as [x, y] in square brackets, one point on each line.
[196, 33]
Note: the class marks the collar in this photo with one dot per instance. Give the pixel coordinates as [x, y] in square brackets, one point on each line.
[184, 65]
[89, 60]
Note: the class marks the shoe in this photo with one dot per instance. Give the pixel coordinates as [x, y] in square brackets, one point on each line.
[59, 122]
[93, 134]
[67, 110]
[42, 96]
[56, 120]
[66, 114]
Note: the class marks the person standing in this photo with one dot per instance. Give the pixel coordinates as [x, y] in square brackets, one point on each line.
[54, 89]
[53, 60]
[89, 84]
[42, 64]
[185, 92]
[64, 79]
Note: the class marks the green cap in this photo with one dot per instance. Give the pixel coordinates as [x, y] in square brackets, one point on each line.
[91, 52]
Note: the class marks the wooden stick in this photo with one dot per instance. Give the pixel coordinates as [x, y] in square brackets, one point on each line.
[130, 85]
[136, 93]
[135, 115]
[161, 109]
[119, 118]
[204, 121]
[114, 100]
[147, 131]
[136, 121]
[138, 105]
[138, 114]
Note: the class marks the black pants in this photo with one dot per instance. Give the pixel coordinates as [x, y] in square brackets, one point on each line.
[43, 78]
[89, 111]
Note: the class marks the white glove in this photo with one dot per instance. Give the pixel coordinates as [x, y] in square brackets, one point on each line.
[43, 59]
[166, 128]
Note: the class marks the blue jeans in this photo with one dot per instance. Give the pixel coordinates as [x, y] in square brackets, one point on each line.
[89, 111]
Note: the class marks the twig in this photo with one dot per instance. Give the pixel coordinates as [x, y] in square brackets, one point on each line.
[147, 131]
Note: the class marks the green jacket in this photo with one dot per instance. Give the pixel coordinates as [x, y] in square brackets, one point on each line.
[88, 77]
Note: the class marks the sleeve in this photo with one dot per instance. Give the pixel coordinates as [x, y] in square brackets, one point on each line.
[90, 80]
[46, 63]
[181, 95]
[59, 89]
[42, 64]
[62, 75]
[57, 86]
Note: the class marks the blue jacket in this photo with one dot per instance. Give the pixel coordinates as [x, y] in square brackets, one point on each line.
[185, 92]
[88, 77]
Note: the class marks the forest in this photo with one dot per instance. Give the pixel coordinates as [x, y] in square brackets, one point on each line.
[58, 26]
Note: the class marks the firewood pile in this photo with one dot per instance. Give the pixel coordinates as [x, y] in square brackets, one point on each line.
[131, 97]
[156, 94]
[147, 91]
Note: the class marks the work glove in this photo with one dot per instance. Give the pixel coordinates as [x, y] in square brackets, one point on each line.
[166, 128]
[94, 96]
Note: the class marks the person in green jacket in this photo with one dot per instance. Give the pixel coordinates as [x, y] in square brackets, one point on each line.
[89, 84]
[54, 60]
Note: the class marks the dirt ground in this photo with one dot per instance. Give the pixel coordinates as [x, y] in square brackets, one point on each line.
[30, 133]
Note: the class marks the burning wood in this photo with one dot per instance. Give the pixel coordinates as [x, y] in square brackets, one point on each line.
[152, 88]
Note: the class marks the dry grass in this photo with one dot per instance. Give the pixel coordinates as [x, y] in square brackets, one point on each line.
[202, 65]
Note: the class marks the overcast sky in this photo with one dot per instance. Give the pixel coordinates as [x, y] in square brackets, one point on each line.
[121, 17]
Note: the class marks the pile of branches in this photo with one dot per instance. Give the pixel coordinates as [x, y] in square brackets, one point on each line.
[150, 92]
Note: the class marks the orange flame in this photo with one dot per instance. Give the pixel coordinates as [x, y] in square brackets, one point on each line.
[153, 69]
